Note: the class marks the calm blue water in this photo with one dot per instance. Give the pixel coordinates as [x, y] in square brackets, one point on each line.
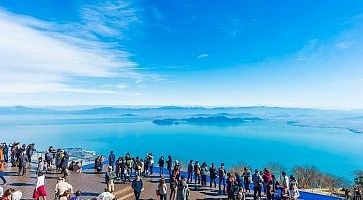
[332, 150]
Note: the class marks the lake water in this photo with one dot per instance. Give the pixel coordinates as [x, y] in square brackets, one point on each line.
[333, 150]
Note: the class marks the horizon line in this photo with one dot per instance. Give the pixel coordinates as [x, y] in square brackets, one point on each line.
[184, 106]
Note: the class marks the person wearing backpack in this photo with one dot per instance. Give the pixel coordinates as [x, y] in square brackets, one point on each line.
[190, 171]
[257, 184]
[213, 175]
[222, 179]
[161, 163]
[196, 173]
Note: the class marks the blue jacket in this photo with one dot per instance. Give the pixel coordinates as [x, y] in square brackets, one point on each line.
[137, 185]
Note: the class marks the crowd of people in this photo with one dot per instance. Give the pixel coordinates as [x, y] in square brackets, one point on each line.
[234, 185]
[174, 184]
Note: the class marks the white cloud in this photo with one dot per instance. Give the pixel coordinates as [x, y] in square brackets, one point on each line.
[122, 86]
[343, 45]
[204, 55]
[37, 57]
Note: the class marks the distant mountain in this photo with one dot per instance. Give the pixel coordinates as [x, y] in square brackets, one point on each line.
[210, 121]
[26, 110]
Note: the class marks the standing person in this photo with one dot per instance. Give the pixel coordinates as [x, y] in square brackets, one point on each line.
[196, 173]
[146, 166]
[48, 158]
[266, 178]
[41, 165]
[294, 191]
[6, 152]
[111, 160]
[176, 170]
[40, 190]
[213, 175]
[173, 188]
[161, 163]
[247, 179]
[357, 194]
[222, 179]
[64, 164]
[162, 187]
[204, 173]
[22, 164]
[257, 184]
[151, 163]
[118, 170]
[285, 180]
[169, 164]
[269, 190]
[30, 151]
[183, 189]
[2, 169]
[137, 185]
[190, 171]
[109, 178]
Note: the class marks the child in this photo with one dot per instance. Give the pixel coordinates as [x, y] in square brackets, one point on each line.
[39, 190]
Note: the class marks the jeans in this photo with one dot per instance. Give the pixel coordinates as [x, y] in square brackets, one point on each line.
[190, 177]
[196, 179]
[6, 156]
[22, 170]
[162, 196]
[151, 169]
[257, 191]
[137, 195]
[161, 171]
[2, 177]
[173, 194]
[222, 180]
[204, 180]
[169, 169]
[213, 181]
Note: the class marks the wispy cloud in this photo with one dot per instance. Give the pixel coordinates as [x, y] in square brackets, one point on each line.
[204, 55]
[39, 56]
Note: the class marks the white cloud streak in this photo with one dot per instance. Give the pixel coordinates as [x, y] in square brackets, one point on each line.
[38, 56]
[204, 55]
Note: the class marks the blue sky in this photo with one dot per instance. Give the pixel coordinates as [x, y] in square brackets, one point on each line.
[211, 53]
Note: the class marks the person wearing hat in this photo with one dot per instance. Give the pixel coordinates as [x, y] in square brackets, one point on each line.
[110, 176]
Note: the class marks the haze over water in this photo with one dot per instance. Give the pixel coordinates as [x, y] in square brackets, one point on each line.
[267, 137]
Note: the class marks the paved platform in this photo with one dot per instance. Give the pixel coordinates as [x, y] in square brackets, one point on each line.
[92, 184]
